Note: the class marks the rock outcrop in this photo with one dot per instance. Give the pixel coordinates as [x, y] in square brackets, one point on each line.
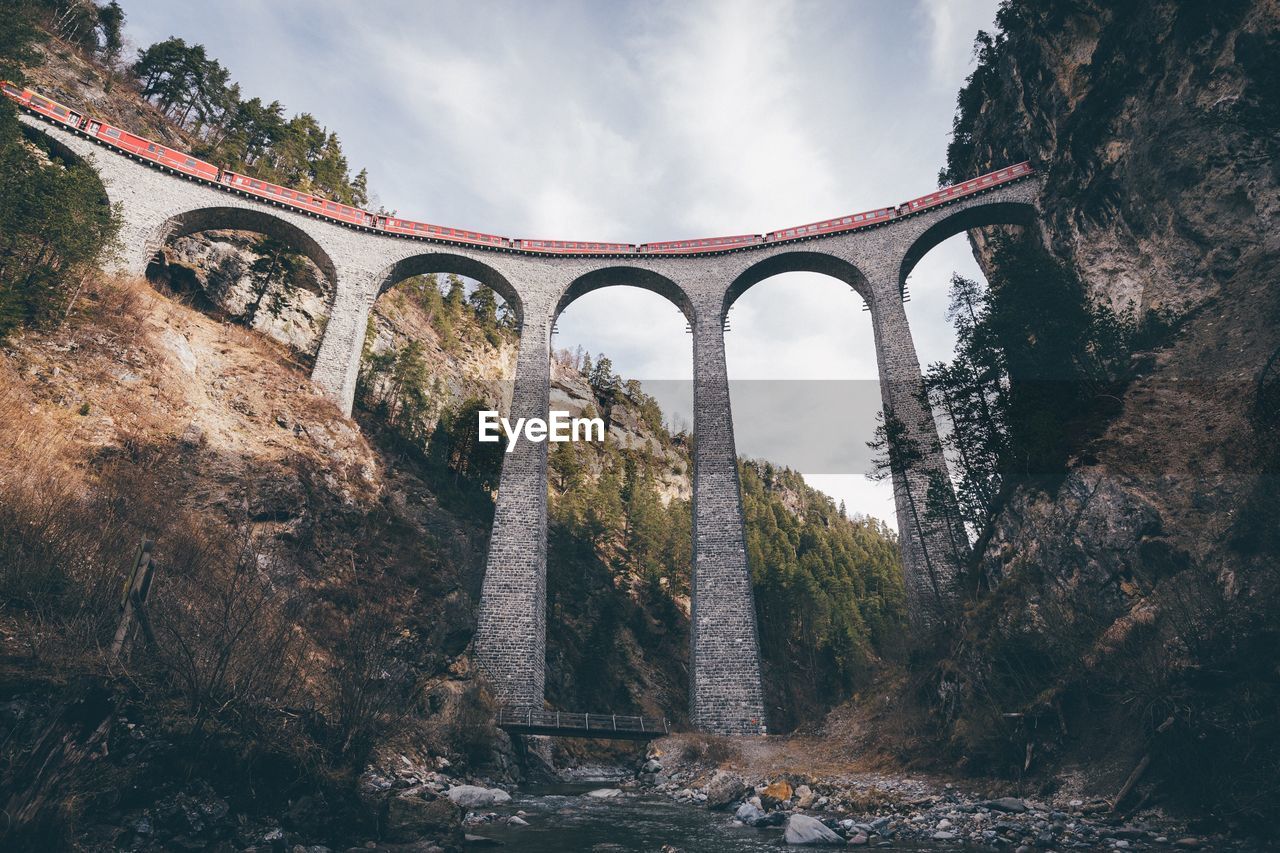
[1157, 125]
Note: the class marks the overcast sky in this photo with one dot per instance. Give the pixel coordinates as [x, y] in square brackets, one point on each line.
[635, 122]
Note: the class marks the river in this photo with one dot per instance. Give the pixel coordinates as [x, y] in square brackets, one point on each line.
[562, 819]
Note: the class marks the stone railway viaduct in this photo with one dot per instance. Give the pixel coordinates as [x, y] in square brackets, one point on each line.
[726, 695]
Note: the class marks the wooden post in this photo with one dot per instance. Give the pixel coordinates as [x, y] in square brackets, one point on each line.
[133, 597]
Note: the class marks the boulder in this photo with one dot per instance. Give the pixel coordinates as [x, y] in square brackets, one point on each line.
[776, 794]
[802, 829]
[724, 790]
[472, 796]
[410, 816]
[751, 815]
[653, 765]
[604, 793]
[1006, 804]
[805, 797]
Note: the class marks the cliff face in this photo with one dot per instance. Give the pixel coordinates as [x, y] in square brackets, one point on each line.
[1137, 614]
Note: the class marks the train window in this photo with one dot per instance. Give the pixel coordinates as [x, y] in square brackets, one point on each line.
[330, 206]
[190, 164]
[112, 132]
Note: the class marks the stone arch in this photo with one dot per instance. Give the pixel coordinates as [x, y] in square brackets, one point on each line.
[965, 219]
[243, 219]
[447, 262]
[623, 276]
[796, 261]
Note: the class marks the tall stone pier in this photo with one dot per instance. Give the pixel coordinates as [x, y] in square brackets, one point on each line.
[726, 694]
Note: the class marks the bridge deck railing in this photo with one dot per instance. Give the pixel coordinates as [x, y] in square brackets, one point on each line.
[566, 721]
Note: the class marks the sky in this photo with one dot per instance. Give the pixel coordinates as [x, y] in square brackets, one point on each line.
[635, 122]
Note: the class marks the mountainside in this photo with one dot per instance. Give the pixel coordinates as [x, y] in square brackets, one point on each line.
[1133, 623]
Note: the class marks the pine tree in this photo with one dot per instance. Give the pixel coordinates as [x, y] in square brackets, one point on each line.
[274, 273]
[485, 306]
[455, 295]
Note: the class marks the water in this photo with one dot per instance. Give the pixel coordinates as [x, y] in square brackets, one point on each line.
[562, 819]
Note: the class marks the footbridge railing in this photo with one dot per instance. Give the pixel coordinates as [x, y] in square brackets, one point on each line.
[566, 724]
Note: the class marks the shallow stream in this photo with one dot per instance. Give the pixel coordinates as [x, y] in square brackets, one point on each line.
[562, 819]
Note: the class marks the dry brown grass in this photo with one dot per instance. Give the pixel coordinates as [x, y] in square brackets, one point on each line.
[90, 464]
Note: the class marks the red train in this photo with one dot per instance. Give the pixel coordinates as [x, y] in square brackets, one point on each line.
[314, 205]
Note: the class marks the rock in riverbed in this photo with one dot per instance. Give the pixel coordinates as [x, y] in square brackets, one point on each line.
[471, 796]
[724, 790]
[604, 793]
[802, 829]
[1007, 804]
[410, 816]
[776, 794]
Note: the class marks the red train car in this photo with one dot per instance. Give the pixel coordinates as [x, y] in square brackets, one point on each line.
[479, 238]
[710, 244]
[571, 247]
[139, 146]
[293, 198]
[45, 107]
[173, 159]
[967, 188]
[832, 226]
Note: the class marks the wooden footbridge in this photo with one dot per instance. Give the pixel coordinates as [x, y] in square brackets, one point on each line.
[565, 724]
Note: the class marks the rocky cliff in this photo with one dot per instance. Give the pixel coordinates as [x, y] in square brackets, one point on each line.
[1136, 624]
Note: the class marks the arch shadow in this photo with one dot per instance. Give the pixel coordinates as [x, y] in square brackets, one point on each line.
[623, 276]
[446, 262]
[244, 219]
[798, 261]
[37, 135]
[978, 216]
